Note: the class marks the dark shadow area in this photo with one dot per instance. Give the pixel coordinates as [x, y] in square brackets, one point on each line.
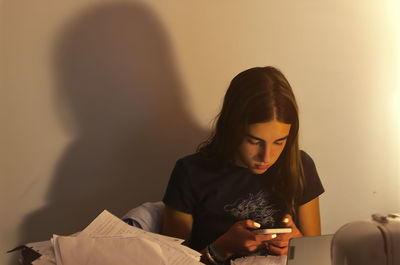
[119, 93]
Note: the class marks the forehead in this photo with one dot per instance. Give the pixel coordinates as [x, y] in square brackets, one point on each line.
[269, 131]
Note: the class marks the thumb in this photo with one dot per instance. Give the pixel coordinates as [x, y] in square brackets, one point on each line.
[287, 220]
[251, 224]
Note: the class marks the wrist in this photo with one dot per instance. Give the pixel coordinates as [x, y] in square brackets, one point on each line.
[220, 247]
[211, 257]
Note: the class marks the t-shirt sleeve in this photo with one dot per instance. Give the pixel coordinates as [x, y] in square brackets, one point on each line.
[179, 193]
[312, 183]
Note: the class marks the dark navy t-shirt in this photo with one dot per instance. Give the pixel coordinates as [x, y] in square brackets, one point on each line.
[218, 198]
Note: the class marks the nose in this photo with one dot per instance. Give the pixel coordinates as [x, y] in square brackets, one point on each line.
[265, 154]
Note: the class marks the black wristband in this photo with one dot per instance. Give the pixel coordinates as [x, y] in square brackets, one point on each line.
[210, 257]
[215, 254]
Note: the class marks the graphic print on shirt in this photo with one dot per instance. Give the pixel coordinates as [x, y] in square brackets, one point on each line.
[258, 208]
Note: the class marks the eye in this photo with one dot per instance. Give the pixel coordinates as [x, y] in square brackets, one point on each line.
[281, 142]
[252, 142]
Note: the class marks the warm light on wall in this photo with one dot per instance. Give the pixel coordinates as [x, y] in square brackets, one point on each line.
[393, 9]
[396, 16]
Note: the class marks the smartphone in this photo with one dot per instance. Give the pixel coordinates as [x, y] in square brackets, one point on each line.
[273, 231]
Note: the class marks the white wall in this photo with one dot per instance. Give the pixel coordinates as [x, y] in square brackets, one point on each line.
[99, 98]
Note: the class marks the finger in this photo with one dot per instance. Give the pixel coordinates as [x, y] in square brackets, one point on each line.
[277, 250]
[247, 226]
[252, 244]
[251, 224]
[251, 249]
[265, 237]
[282, 237]
[287, 220]
[279, 244]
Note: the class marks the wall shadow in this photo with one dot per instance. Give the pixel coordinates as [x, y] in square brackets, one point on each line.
[119, 93]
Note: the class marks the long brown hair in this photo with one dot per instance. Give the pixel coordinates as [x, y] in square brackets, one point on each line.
[257, 95]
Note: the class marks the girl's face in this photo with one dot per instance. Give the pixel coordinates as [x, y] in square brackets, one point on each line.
[262, 145]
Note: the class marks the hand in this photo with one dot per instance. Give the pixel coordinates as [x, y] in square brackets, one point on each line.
[240, 240]
[279, 245]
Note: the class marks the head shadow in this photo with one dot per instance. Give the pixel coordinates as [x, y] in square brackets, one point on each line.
[118, 92]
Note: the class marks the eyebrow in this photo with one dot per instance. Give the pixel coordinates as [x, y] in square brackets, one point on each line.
[262, 140]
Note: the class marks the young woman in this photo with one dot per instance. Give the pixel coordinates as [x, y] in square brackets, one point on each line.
[249, 174]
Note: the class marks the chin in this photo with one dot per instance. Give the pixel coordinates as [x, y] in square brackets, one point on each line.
[259, 171]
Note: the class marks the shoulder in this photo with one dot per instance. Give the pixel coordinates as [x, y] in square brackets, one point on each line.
[311, 180]
[195, 160]
[308, 163]
[182, 187]
[192, 166]
[306, 158]
[200, 162]
[199, 170]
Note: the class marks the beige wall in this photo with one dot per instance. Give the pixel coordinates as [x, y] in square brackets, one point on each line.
[99, 98]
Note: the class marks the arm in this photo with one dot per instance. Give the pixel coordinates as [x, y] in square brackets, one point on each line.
[177, 224]
[309, 218]
[309, 222]
[237, 240]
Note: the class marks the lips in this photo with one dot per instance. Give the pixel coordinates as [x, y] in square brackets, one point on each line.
[262, 167]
